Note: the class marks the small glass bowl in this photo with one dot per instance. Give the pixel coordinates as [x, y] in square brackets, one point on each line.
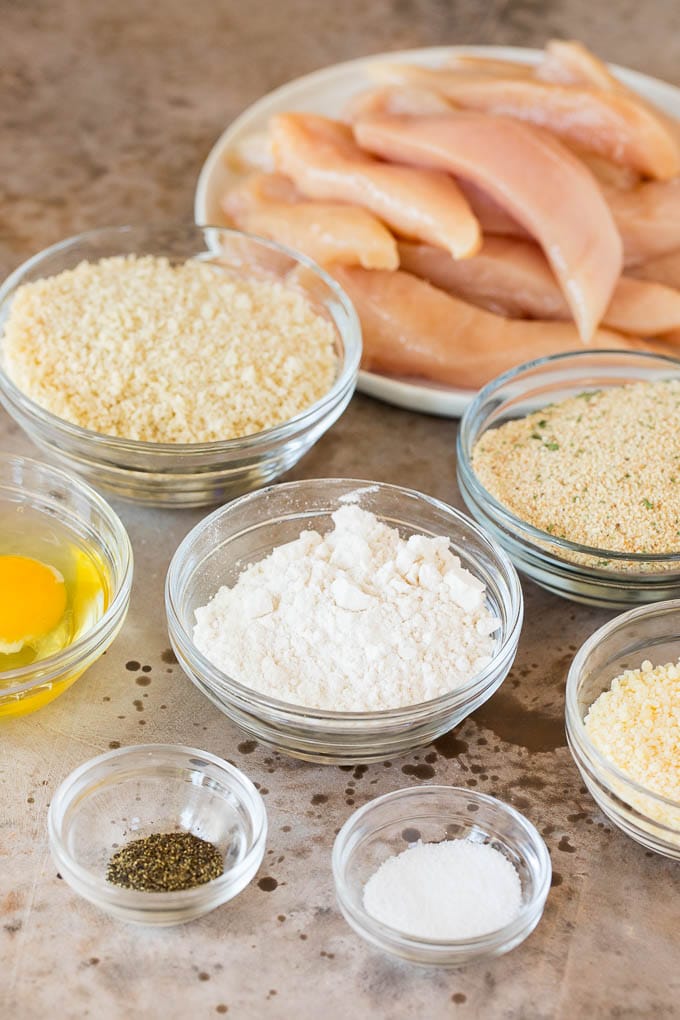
[577, 572]
[37, 492]
[247, 530]
[388, 825]
[188, 474]
[649, 632]
[134, 792]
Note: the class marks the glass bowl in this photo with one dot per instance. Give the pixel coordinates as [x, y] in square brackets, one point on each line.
[134, 792]
[42, 498]
[247, 530]
[578, 572]
[187, 474]
[388, 825]
[649, 632]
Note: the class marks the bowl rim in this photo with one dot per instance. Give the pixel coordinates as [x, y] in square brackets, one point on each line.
[53, 666]
[575, 725]
[347, 369]
[538, 537]
[249, 798]
[489, 941]
[256, 699]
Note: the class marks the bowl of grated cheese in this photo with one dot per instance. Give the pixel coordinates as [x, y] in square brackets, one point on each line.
[623, 722]
[343, 621]
[176, 366]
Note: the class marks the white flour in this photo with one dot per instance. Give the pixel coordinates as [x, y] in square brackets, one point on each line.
[356, 620]
[455, 890]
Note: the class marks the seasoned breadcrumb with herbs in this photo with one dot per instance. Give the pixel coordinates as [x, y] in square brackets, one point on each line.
[601, 468]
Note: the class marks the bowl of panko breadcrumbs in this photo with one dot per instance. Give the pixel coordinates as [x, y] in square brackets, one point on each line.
[572, 463]
[175, 365]
[623, 722]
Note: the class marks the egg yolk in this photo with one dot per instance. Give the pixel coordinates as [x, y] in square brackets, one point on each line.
[32, 601]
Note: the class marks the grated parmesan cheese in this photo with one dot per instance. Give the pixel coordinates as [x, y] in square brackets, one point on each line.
[636, 726]
[139, 348]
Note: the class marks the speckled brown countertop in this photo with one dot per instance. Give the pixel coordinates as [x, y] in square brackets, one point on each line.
[107, 112]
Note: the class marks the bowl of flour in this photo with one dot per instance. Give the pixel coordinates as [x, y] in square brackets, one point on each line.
[341, 620]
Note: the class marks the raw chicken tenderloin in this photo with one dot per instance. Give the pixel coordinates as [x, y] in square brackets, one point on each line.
[513, 278]
[250, 153]
[411, 101]
[569, 62]
[648, 219]
[493, 218]
[413, 329]
[536, 180]
[647, 216]
[324, 161]
[614, 124]
[665, 269]
[397, 99]
[565, 62]
[644, 308]
[508, 277]
[270, 205]
[489, 66]
[608, 174]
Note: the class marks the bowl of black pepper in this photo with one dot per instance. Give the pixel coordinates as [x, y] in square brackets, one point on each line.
[157, 834]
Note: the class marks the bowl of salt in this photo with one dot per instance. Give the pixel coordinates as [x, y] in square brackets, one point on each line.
[441, 875]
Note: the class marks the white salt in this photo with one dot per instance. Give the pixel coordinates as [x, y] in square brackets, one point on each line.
[451, 890]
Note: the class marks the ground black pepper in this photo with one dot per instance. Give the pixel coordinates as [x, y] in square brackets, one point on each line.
[165, 862]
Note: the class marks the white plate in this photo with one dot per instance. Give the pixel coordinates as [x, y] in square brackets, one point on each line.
[327, 92]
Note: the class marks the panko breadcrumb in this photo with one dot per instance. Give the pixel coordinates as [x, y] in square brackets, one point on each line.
[601, 468]
[139, 348]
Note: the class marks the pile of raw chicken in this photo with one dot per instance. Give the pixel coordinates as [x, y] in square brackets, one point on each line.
[483, 213]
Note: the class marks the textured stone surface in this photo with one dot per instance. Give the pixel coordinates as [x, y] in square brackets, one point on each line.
[107, 113]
